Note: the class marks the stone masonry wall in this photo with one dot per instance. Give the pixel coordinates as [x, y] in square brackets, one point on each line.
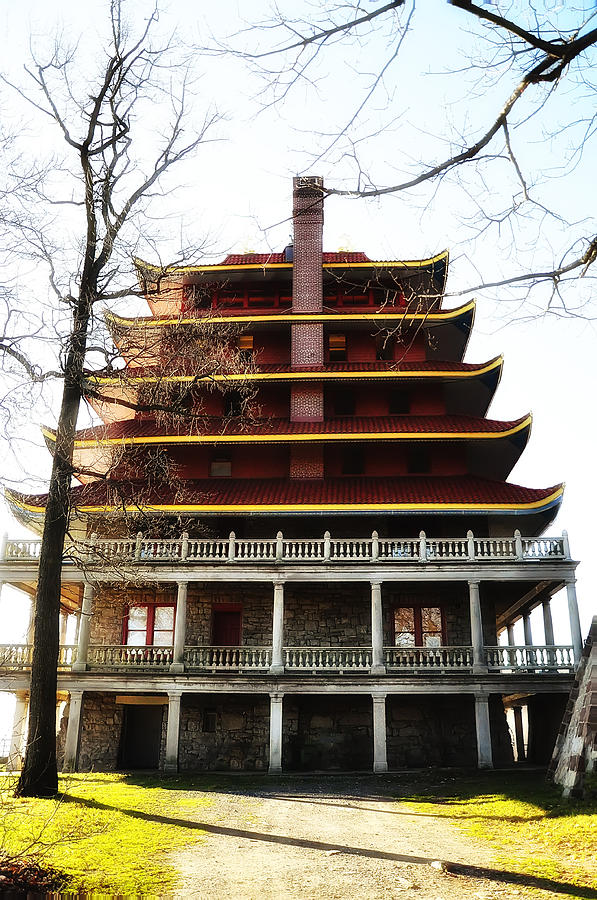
[333, 732]
[101, 727]
[430, 731]
[109, 608]
[240, 735]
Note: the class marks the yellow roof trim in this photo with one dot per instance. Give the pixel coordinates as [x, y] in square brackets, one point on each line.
[306, 507]
[180, 270]
[331, 318]
[313, 375]
[292, 438]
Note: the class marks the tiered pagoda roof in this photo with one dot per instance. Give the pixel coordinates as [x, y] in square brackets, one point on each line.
[427, 448]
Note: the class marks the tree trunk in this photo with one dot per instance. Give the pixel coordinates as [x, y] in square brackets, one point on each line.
[39, 777]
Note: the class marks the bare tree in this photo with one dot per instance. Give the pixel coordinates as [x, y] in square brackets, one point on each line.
[103, 183]
[531, 79]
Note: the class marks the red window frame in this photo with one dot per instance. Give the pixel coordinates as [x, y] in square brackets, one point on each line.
[149, 628]
[417, 610]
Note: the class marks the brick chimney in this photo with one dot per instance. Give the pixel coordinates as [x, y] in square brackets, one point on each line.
[306, 401]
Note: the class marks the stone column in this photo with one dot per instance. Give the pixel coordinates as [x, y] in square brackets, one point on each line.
[548, 622]
[73, 731]
[519, 734]
[380, 757]
[483, 729]
[528, 632]
[378, 665]
[575, 631]
[63, 627]
[19, 728]
[510, 630]
[277, 665]
[85, 624]
[173, 731]
[476, 627]
[180, 628]
[275, 733]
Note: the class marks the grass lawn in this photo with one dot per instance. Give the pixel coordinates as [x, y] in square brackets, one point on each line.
[533, 830]
[102, 831]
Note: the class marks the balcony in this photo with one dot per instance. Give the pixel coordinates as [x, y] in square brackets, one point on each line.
[142, 551]
[504, 660]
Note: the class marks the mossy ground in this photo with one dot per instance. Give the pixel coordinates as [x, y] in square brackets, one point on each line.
[531, 828]
[107, 833]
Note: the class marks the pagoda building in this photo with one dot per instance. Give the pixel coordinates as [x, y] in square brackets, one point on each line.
[300, 541]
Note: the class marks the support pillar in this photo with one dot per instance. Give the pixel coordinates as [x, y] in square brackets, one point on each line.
[277, 665]
[519, 734]
[483, 729]
[476, 628]
[510, 630]
[180, 628]
[377, 661]
[80, 664]
[73, 731]
[19, 729]
[380, 756]
[528, 632]
[63, 627]
[172, 731]
[575, 631]
[548, 622]
[275, 733]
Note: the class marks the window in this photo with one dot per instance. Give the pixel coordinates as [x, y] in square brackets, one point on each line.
[149, 625]
[245, 345]
[220, 467]
[418, 461]
[337, 347]
[226, 625]
[233, 403]
[353, 461]
[210, 721]
[419, 626]
[399, 404]
[343, 403]
[384, 346]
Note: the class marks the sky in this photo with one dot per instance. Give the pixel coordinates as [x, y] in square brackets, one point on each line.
[235, 196]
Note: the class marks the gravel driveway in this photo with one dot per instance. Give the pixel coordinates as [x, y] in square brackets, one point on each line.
[334, 838]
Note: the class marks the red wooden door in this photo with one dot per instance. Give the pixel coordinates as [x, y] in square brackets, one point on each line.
[226, 627]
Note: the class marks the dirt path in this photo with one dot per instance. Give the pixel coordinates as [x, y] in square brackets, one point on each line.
[331, 839]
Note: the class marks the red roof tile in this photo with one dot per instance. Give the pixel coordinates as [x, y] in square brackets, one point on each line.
[280, 368]
[260, 259]
[142, 428]
[461, 489]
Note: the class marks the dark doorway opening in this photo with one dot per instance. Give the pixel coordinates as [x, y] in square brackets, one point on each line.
[141, 737]
[226, 626]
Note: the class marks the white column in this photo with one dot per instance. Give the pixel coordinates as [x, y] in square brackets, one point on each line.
[19, 728]
[548, 622]
[85, 624]
[63, 627]
[519, 734]
[73, 731]
[180, 628]
[275, 733]
[172, 731]
[277, 666]
[528, 633]
[378, 666]
[380, 757]
[484, 754]
[476, 627]
[574, 620]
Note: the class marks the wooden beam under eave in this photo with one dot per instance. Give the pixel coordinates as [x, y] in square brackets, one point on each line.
[527, 602]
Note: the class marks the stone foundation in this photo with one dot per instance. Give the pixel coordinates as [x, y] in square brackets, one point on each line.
[101, 727]
[223, 733]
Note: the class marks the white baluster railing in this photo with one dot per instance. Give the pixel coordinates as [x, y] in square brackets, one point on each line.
[437, 658]
[296, 550]
[327, 659]
[120, 657]
[228, 659]
[530, 657]
[15, 656]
